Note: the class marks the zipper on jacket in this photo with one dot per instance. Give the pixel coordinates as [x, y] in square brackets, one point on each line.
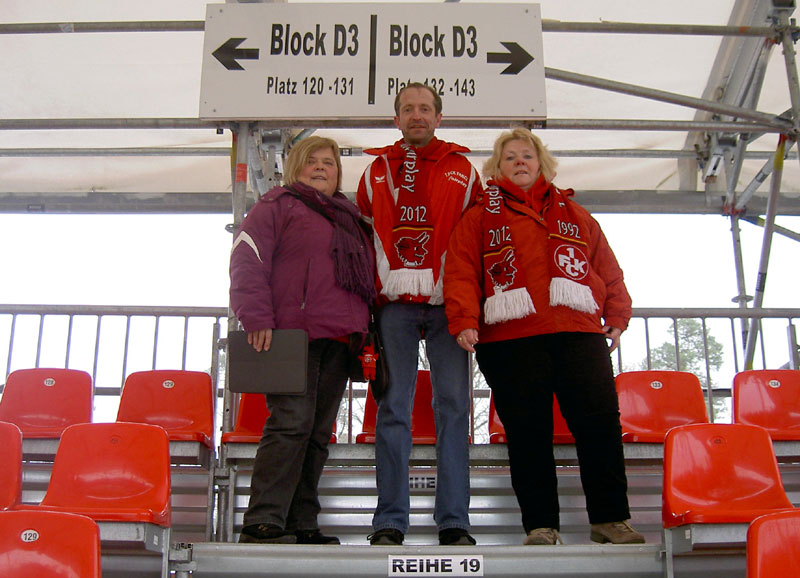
[305, 286]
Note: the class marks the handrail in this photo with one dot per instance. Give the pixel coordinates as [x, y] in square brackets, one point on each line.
[131, 338]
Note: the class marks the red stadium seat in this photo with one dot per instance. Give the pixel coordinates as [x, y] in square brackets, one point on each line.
[719, 473]
[652, 402]
[11, 469]
[772, 545]
[43, 402]
[423, 429]
[182, 402]
[497, 431]
[118, 474]
[769, 398]
[717, 479]
[112, 471]
[52, 544]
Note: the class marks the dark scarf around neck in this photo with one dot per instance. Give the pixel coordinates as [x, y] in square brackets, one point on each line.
[353, 264]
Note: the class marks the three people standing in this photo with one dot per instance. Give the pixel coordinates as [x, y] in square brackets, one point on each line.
[525, 279]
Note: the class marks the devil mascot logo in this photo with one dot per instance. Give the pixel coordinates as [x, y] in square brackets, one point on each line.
[412, 250]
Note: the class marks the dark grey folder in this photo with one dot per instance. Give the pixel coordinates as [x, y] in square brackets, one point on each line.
[283, 369]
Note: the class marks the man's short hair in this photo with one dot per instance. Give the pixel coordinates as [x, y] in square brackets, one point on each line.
[437, 100]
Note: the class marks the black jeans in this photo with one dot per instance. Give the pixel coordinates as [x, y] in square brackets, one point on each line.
[523, 375]
[294, 445]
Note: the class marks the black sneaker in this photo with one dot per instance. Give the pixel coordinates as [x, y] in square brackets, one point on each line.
[386, 537]
[266, 534]
[455, 537]
[315, 537]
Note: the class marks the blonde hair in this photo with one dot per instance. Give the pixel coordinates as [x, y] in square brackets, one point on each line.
[547, 162]
[298, 157]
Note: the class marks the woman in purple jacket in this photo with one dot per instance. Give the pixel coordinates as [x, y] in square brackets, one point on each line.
[301, 260]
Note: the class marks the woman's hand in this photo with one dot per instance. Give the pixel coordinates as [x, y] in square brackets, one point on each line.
[613, 334]
[467, 339]
[260, 340]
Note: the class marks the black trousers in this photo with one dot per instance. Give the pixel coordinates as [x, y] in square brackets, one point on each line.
[294, 444]
[523, 375]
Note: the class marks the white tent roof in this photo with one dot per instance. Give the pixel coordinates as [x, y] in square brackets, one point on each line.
[52, 80]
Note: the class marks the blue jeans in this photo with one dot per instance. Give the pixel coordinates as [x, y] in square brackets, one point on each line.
[401, 326]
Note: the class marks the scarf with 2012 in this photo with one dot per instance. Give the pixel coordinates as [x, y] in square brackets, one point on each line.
[411, 255]
[504, 283]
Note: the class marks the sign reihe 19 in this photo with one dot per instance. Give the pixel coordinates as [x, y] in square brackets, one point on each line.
[308, 61]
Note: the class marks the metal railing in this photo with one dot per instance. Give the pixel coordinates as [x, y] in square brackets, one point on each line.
[110, 342]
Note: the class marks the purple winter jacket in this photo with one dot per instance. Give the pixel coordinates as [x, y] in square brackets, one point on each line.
[282, 275]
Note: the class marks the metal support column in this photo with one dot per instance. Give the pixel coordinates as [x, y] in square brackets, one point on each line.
[742, 298]
[772, 206]
[239, 206]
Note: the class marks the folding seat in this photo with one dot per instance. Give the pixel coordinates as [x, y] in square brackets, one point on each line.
[44, 401]
[52, 544]
[772, 545]
[497, 431]
[717, 479]
[182, 402]
[11, 468]
[423, 429]
[652, 402]
[118, 474]
[769, 398]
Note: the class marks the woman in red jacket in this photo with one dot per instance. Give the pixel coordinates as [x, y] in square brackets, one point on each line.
[532, 287]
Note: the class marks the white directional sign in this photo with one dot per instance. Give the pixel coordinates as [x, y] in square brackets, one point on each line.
[329, 61]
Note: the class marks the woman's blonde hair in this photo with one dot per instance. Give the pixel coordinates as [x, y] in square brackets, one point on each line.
[298, 157]
[547, 162]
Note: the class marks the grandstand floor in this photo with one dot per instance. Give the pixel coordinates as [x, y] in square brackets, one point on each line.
[348, 497]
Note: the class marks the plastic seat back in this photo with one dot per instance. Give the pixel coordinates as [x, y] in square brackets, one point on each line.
[112, 472]
[52, 544]
[11, 468]
[182, 402]
[497, 431]
[251, 415]
[719, 473]
[43, 402]
[652, 402]
[423, 428]
[772, 545]
[769, 398]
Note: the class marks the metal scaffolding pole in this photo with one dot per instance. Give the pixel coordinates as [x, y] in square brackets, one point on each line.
[761, 280]
[742, 298]
[557, 123]
[669, 97]
[547, 26]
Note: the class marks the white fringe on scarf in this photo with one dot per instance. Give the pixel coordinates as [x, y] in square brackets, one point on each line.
[574, 295]
[506, 305]
[408, 282]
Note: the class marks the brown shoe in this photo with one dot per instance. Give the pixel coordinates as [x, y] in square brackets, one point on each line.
[543, 537]
[616, 533]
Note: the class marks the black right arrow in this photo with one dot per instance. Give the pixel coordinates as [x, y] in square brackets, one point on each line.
[228, 53]
[517, 58]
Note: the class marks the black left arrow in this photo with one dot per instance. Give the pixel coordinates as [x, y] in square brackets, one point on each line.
[517, 58]
[228, 54]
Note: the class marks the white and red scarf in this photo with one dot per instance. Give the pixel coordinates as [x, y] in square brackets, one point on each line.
[506, 294]
[411, 254]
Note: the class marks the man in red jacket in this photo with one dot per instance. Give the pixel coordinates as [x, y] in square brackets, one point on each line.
[414, 193]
